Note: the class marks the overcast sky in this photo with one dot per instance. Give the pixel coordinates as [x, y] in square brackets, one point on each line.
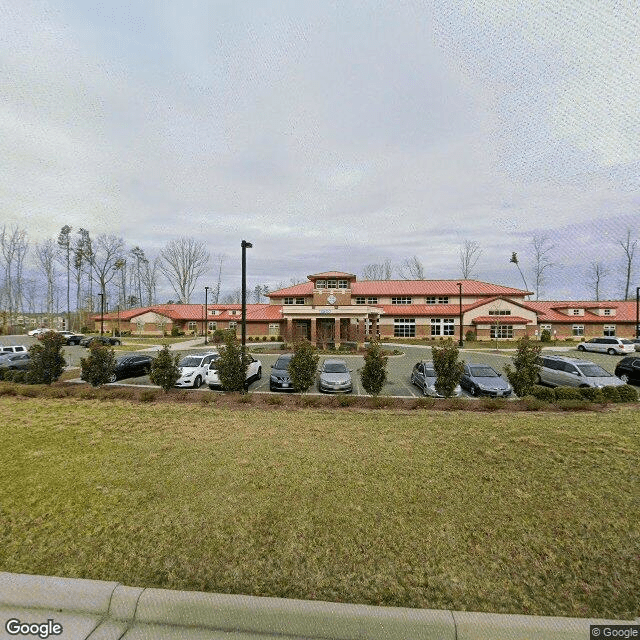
[329, 134]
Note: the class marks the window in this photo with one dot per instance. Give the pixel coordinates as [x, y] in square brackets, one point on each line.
[577, 329]
[404, 327]
[294, 300]
[321, 284]
[502, 331]
[343, 284]
[499, 312]
[607, 312]
[233, 325]
[274, 329]
[609, 330]
[546, 327]
[575, 312]
[437, 299]
[401, 300]
[213, 326]
[442, 327]
[332, 284]
[191, 326]
[365, 300]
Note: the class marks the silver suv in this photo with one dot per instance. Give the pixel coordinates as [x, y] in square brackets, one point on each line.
[573, 372]
[611, 346]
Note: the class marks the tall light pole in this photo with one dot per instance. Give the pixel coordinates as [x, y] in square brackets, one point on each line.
[637, 312]
[245, 245]
[101, 294]
[461, 343]
[204, 324]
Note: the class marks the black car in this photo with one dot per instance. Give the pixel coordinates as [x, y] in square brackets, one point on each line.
[131, 366]
[280, 379]
[18, 361]
[74, 338]
[628, 370]
[107, 340]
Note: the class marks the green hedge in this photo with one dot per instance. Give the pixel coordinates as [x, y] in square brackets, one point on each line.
[568, 393]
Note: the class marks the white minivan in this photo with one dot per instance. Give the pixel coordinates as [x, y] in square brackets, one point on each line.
[13, 348]
[611, 346]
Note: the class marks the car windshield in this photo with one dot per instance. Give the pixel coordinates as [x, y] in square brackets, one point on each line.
[190, 361]
[483, 372]
[335, 367]
[430, 372]
[626, 341]
[283, 363]
[594, 371]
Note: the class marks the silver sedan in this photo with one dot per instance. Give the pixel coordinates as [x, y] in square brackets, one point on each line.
[335, 377]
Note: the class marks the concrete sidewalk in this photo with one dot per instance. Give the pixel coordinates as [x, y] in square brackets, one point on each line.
[97, 610]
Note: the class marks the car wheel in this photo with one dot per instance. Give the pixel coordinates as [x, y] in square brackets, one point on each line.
[197, 382]
[473, 390]
[113, 377]
[611, 352]
[580, 348]
[424, 390]
[625, 378]
[212, 387]
[259, 376]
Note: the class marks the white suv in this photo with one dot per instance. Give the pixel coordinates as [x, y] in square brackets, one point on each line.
[13, 348]
[611, 346]
[193, 369]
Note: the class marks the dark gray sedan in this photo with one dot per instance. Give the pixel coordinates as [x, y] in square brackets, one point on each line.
[483, 380]
[17, 361]
[424, 376]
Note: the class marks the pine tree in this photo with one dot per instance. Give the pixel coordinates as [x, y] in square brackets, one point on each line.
[374, 372]
[164, 369]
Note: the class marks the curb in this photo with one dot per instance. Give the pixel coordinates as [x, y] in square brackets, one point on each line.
[126, 612]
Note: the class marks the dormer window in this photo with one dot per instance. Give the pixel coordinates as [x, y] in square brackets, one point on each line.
[608, 312]
[343, 284]
[321, 284]
[332, 284]
[575, 312]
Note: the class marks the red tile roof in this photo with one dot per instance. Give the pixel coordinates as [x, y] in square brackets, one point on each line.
[183, 312]
[333, 274]
[549, 311]
[500, 320]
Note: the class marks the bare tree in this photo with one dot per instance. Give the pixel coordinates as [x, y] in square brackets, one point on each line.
[233, 297]
[629, 248]
[149, 279]
[378, 271]
[182, 262]
[64, 255]
[46, 253]
[140, 260]
[470, 253]
[596, 273]
[106, 259]
[13, 249]
[514, 260]
[540, 249]
[411, 269]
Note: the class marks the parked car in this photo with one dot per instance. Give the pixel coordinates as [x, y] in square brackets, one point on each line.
[254, 372]
[75, 338]
[484, 380]
[38, 331]
[424, 377]
[561, 371]
[14, 361]
[335, 377]
[193, 369]
[13, 348]
[106, 340]
[280, 380]
[611, 346]
[636, 343]
[628, 370]
[131, 365]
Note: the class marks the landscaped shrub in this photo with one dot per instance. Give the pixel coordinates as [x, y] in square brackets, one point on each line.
[272, 338]
[448, 368]
[380, 402]
[175, 332]
[47, 362]
[568, 393]
[7, 389]
[492, 404]
[274, 400]
[531, 403]
[28, 391]
[19, 376]
[98, 367]
[455, 404]
[164, 369]
[147, 395]
[573, 405]
[424, 403]
[232, 364]
[374, 373]
[218, 336]
[244, 398]
[54, 392]
[303, 365]
[545, 336]
[611, 394]
[543, 393]
[470, 336]
[209, 398]
[346, 401]
[592, 394]
[309, 401]
[526, 367]
[628, 393]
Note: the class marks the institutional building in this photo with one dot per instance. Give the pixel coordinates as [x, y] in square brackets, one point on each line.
[335, 307]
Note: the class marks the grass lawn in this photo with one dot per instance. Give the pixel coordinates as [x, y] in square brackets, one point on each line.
[513, 512]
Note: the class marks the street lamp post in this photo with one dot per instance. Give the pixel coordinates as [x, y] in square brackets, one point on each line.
[637, 312]
[204, 324]
[101, 294]
[245, 245]
[461, 343]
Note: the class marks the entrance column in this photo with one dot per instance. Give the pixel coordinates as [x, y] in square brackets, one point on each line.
[288, 330]
[313, 332]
